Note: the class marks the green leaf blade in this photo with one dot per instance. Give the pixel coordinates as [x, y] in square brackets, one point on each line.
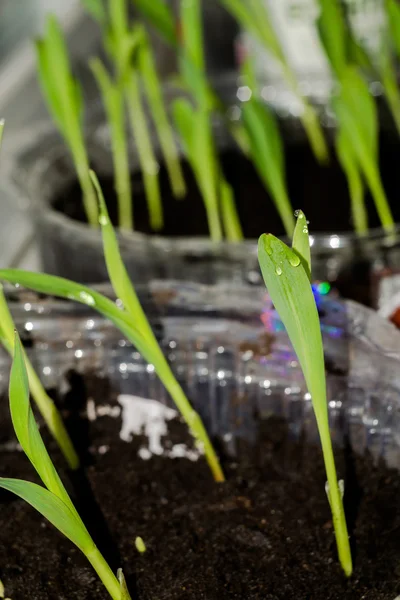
[301, 242]
[53, 509]
[289, 288]
[27, 430]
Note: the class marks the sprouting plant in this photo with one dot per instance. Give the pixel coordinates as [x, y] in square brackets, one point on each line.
[134, 65]
[355, 109]
[52, 501]
[131, 321]
[44, 403]
[147, 68]
[159, 14]
[113, 99]
[253, 17]
[339, 47]
[194, 123]
[64, 99]
[356, 113]
[286, 272]
[196, 136]
[266, 149]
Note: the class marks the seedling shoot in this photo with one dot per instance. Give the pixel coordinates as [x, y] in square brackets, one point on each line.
[52, 501]
[286, 272]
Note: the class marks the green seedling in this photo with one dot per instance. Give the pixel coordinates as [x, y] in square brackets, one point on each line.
[151, 350]
[355, 109]
[253, 17]
[339, 47]
[160, 16]
[122, 42]
[152, 87]
[135, 328]
[193, 126]
[230, 218]
[348, 161]
[266, 150]
[286, 272]
[356, 112]
[52, 501]
[393, 15]
[64, 100]
[44, 403]
[113, 99]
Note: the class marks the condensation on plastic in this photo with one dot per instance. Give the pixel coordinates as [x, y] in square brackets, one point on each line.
[231, 354]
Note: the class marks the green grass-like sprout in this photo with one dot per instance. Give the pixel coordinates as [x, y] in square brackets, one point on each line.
[253, 17]
[286, 272]
[113, 98]
[356, 112]
[131, 321]
[52, 501]
[266, 149]
[44, 403]
[355, 108]
[193, 121]
[64, 100]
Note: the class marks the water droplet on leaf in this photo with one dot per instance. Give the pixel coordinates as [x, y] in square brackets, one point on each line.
[103, 220]
[278, 271]
[294, 261]
[87, 298]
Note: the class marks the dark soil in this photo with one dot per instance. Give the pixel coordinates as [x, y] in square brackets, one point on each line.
[321, 192]
[264, 534]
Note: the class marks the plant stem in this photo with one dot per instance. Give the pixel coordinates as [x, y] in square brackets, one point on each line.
[108, 578]
[82, 169]
[356, 190]
[309, 119]
[373, 178]
[164, 131]
[335, 497]
[51, 417]
[393, 97]
[44, 403]
[230, 217]
[147, 159]
[121, 167]
[194, 423]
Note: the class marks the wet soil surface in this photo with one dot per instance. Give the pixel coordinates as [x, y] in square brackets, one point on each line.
[264, 534]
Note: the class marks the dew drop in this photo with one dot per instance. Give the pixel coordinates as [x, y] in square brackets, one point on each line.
[87, 298]
[305, 230]
[278, 271]
[298, 214]
[294, 261]
[103, 220]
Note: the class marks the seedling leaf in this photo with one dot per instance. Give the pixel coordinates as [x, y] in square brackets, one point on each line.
[53, 509]
[357, 116]
[159, 14]
[266, 150]
[151, 352]
[301, 242]
[26, 429]
[333, 33]
[97, 10]
[289, 287]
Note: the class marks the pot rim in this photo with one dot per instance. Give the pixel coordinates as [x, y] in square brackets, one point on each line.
[31, 170]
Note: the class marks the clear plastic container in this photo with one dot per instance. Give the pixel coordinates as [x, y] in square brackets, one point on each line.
[232, 356]
[74, 250]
